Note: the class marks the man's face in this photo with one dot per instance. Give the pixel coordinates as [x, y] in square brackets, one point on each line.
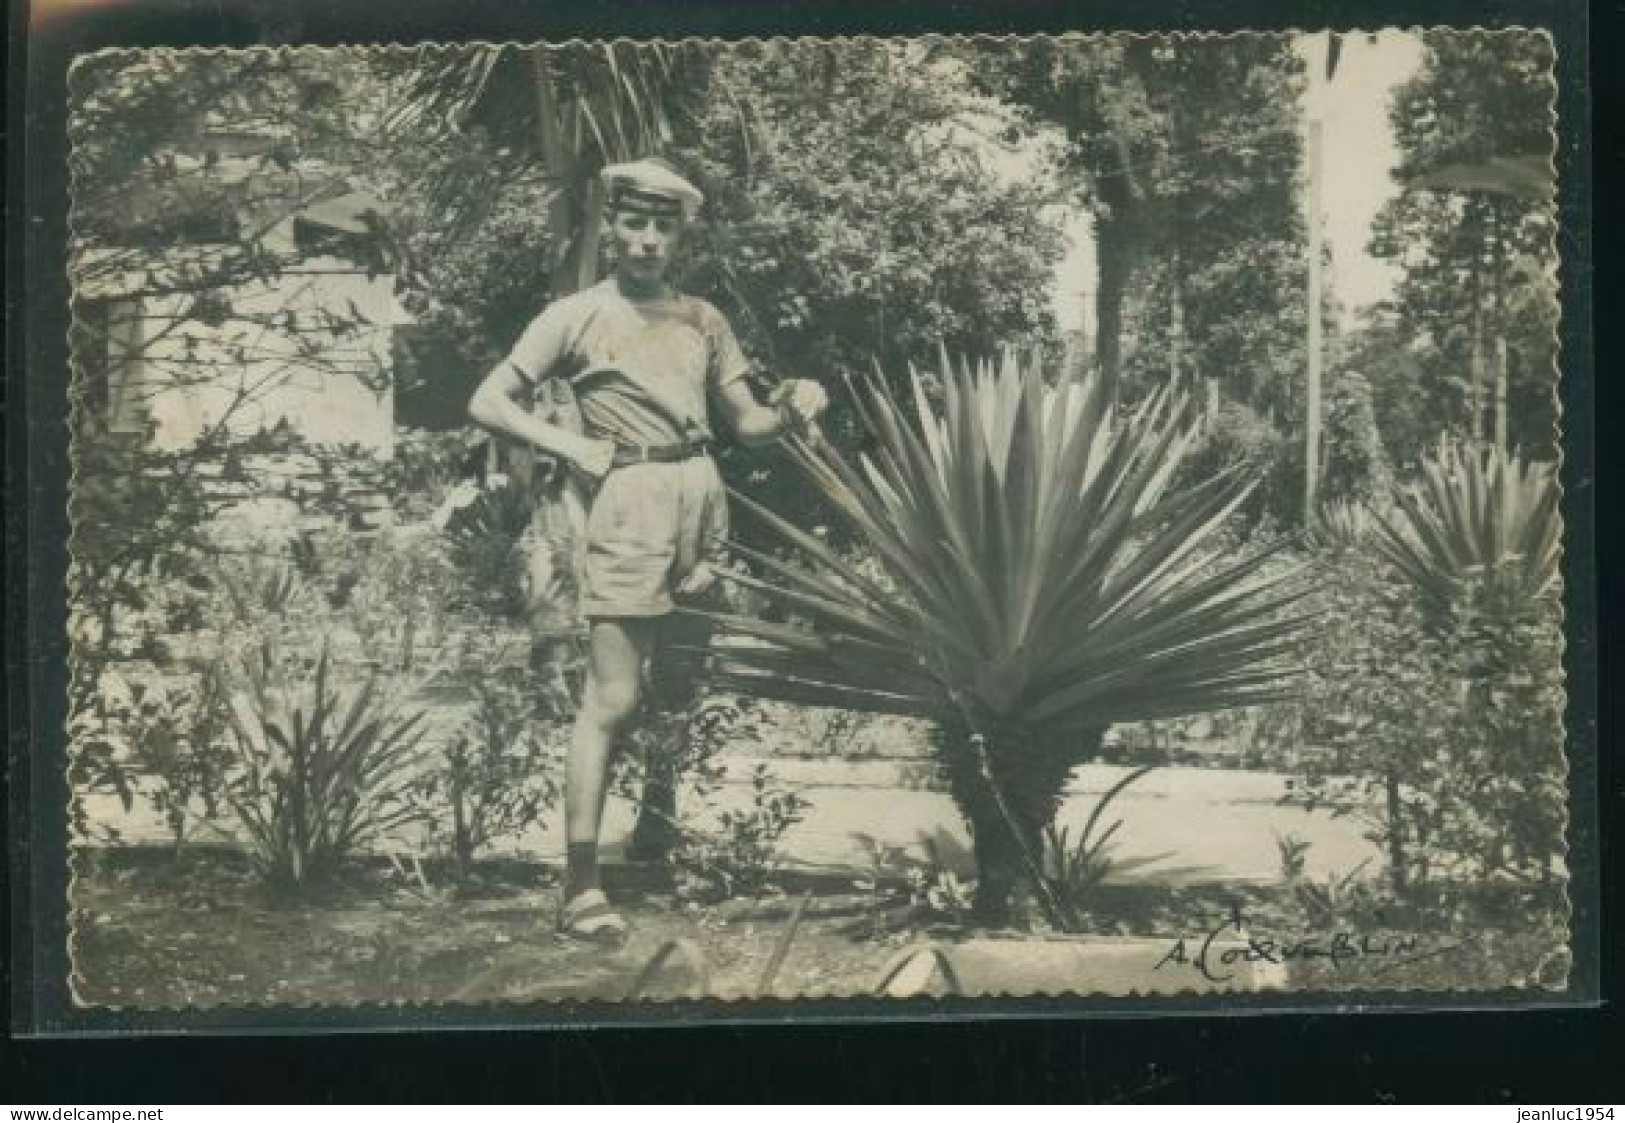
[644, 242]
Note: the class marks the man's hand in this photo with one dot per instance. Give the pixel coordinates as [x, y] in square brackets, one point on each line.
[801, 403]
[595, 458]
[698, 580]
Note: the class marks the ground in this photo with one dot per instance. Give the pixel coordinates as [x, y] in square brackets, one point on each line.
[156, 929]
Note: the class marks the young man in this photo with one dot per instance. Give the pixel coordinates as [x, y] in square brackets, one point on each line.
[647, 364]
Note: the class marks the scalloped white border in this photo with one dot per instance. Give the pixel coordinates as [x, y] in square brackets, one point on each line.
[749, 1005]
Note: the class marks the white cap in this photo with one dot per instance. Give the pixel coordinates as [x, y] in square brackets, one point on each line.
[651, 184]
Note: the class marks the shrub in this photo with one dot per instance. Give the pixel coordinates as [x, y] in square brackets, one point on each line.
[177, 746]
[322, 769]
[427, 464]
[1444, 729]
[741, 856]
[491, 778]
[483, 537]
[1480, 525]
[675, 747]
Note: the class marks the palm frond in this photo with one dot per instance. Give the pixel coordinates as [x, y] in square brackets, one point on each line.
[1035, 565]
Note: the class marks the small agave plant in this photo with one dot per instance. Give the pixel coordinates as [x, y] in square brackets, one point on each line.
[1035, 580]
[1480, 526]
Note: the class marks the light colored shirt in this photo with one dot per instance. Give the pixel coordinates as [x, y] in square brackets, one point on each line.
[641, 370]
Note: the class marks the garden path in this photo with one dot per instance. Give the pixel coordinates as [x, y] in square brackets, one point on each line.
[1214, 825]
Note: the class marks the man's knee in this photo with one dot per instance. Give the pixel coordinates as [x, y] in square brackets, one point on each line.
[612, 704]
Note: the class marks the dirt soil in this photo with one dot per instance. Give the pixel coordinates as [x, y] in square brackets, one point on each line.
[156, 930]
[159, 930]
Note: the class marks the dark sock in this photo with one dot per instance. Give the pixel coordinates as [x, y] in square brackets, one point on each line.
[580, 868]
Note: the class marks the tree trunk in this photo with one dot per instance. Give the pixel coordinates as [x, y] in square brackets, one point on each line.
[1499, 353]
[1116, 251]
[1396, 836]
[1029, 777]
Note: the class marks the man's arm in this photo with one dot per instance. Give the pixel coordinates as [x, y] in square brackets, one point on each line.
[756, 424]
[495, 406]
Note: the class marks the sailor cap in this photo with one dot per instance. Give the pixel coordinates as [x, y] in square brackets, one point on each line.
[650, 185]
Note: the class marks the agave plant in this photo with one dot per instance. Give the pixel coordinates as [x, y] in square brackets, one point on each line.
[1036, 580]
[1480, 525]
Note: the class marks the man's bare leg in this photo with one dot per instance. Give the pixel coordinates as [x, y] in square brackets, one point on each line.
[617, 650]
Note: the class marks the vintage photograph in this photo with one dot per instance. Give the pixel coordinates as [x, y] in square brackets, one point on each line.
[627, 521]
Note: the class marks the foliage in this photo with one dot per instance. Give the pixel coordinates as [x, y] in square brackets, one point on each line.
[1344, 526]
[903, 886]
[1479, 96]
[1479, 524]
[1356, 463]
[564, 110]
[426, 465]
[1407, 418]
[939, 892]
[184, 166]
[872, 220]
[164, 740]
[1501, 807]
[1445, 726]
[741, 856]
[1077, 870]
[1237, 438]
[491, 778]
[140, 573]
[483, 537]
[1379, 698]
[881, 215]
[324, 769]
[1294, 854]
[187, 171]
[1185, 153]
[1039, 584]
[1339, 900]
[502, 203]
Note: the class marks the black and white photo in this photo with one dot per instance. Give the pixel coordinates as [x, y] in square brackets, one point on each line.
[621, 521]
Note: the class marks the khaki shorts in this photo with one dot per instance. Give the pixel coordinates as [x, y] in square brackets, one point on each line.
[648, 526]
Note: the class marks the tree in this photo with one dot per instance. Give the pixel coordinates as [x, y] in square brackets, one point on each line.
[1185, 154]
[1478, 263]
[868, 222]
[873, 208]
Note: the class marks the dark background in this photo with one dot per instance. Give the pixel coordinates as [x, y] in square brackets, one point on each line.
[1524, 1057]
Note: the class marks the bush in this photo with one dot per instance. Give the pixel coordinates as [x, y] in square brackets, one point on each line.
[322, 769]
[1445, 735]
[741, 856]
[177, 746]
[1238, 437]
[492, 777]
[483, 537]
[427, 464]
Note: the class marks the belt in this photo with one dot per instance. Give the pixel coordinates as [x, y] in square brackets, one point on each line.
[659, 454]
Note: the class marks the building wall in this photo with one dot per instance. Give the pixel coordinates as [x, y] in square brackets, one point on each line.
[311, 347]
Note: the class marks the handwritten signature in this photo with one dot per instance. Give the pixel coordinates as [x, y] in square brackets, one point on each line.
[1215, 954]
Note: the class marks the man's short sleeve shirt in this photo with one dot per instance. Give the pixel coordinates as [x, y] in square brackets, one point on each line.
[641, 370]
